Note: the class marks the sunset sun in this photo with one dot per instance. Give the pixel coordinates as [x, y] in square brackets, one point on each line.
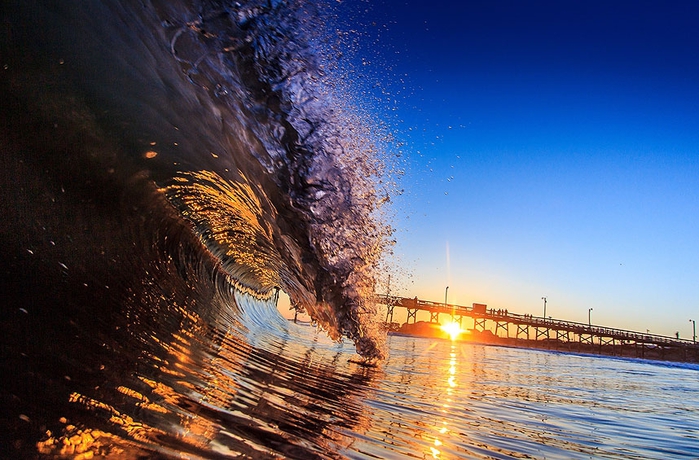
[453, 329]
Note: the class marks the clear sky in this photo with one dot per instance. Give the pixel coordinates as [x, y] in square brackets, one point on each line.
[551, 148]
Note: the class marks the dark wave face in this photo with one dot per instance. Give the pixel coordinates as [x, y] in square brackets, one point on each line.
[166, 168]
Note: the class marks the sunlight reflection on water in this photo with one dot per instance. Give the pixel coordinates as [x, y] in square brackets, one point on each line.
[439, 399]
[288, 390]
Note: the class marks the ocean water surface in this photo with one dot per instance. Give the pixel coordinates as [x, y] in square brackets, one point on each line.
[275, 389]
[461, 400]
[289, 392]
[167, 169]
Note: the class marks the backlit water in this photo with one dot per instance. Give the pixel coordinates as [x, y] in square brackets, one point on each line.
[167, 167]
[452, 400]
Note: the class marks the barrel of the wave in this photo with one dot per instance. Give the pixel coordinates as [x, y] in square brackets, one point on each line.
[159, 164]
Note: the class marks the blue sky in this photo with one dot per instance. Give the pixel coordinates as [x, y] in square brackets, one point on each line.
[550, 149]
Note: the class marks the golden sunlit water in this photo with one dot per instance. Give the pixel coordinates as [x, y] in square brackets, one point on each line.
[448, 399]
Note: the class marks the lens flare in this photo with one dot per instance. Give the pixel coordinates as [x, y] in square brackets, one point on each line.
[453, 329]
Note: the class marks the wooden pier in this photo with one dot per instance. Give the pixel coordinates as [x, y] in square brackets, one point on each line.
[502, 327]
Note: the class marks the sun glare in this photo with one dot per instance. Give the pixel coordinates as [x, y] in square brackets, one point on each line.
[453, 329]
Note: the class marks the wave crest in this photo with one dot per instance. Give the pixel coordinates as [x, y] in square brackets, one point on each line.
[267, 63]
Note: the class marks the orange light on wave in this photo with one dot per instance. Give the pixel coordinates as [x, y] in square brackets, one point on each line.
[453, 329]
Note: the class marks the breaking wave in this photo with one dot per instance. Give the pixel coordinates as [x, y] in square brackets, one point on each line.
[235, 114]
[168, 168]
